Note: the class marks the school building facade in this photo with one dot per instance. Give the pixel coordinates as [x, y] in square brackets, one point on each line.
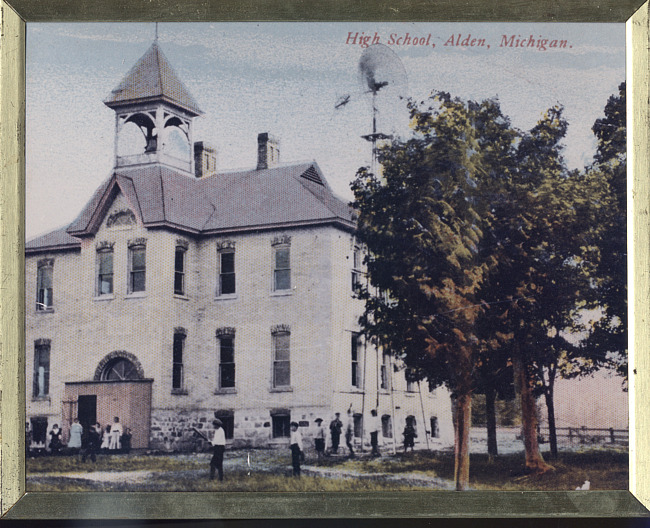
[182, 292]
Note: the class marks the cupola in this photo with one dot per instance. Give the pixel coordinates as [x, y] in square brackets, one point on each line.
[154, 115]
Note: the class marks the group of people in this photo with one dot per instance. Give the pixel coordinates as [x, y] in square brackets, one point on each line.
[112, 438]
[336, 427]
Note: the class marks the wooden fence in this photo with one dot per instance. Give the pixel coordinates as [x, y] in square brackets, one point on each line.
[588, 435]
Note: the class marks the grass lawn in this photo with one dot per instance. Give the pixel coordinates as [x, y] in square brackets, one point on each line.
[268, 470]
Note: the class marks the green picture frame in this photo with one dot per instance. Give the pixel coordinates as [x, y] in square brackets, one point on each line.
[16, 504]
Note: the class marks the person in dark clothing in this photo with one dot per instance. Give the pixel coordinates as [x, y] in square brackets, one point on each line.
[409, 435]
[125, 440]
[335, 432]
[55, 441]
[92, 442]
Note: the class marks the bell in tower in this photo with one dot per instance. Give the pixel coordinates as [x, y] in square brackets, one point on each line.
[154, 115]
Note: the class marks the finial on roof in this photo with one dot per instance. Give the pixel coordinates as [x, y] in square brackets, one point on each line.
[156, 36]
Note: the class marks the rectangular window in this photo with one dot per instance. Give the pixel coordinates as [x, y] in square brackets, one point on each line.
[281, 360]
[384, 382]
[44, 290]
[280, 423]
[228, 422]
[386, 426]
[226, 273]
[179, 271]
[226, 362]
[41, 385]
[355, 346]
[177, 367]
[411, 381]
[358, 425]
[435, 430]
[105, 272]
[137, 268]
[282, 268]
[39, 430]
[356, 268]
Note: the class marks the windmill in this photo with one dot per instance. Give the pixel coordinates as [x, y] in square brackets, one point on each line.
[383, 80]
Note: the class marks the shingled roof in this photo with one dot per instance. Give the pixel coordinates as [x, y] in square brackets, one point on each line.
[284, 196]
[152, 78]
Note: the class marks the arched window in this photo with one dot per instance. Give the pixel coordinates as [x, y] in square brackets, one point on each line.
[175, 139]
[119, 365]
[119, 369]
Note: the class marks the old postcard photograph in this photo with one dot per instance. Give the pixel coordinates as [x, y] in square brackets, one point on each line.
[326, 257]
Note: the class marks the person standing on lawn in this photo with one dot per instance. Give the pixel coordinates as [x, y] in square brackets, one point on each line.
[106, 437]
[319, 441]
[218, 446]
[349, 432]
[335, 432]
[409, 435]
[295, 444]
[116, 433]
[373, 427]
[76, 430]
[93, 439]
[55, 440]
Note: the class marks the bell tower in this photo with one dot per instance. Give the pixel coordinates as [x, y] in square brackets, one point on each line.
[154, 114]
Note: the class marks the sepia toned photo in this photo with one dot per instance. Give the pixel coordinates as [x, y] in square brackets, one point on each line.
[326, 257]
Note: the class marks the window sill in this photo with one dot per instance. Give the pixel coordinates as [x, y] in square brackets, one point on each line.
[384, 391]
[226, 297]
[41, 398]
[107, 297]
[281, 389]
[136, 295]
[45, 311]
[179, 392]
[181, 297]
[227, 390]
[410, 394]
[281, 293]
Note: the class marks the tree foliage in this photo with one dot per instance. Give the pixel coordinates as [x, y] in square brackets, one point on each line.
[485, 251]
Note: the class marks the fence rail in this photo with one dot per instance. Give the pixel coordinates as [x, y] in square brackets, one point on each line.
[589, 435]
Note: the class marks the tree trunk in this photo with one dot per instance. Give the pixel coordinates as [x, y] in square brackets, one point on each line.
[534, 461]
[550, 409]
[491, 419]
[463, 411]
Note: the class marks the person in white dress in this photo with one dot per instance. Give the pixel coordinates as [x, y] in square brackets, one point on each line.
[75, 435]
[116, 433]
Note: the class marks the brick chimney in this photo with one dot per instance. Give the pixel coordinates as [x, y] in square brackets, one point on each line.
[205, 160]
[268, 151]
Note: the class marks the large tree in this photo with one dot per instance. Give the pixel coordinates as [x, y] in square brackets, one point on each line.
[609, 339]
[422, 221]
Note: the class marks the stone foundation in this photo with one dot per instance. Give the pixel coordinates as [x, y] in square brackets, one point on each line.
[174, 430]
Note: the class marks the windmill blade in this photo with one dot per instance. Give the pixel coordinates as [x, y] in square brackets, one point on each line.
[379, 68]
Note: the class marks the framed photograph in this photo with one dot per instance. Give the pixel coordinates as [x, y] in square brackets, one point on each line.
[325, 263]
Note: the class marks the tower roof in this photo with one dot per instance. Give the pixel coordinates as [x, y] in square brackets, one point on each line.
[152, 78]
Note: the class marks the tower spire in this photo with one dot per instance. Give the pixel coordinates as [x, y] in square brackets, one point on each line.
[156, 34]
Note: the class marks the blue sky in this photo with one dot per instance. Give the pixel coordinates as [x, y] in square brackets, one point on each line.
[285, 78]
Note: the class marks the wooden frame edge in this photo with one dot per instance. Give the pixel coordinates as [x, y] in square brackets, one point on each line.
[12, 387]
